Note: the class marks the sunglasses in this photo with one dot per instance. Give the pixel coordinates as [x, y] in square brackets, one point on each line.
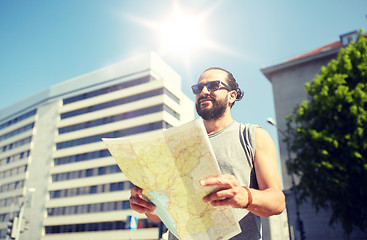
[211, 86]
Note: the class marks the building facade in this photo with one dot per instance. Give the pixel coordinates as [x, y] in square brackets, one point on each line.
[288, 80]
[54, 169]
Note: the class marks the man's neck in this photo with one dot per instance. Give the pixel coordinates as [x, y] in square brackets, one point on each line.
[215, 125]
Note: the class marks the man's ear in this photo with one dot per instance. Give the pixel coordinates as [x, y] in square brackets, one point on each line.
[232, 96]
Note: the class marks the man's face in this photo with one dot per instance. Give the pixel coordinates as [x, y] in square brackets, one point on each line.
[211, 105]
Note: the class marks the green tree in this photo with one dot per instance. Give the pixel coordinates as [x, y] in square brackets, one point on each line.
[328, 138]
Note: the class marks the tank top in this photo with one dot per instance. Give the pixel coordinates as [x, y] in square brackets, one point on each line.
[234, 149]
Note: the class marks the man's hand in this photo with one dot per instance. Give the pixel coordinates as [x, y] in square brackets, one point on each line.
[137, 202]
[231, 193]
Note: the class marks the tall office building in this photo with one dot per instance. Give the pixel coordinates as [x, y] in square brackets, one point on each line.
[55, 170]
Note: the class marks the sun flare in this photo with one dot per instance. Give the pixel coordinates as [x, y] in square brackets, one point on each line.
[181, 33]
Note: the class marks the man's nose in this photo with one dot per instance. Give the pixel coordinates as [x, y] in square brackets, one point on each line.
[205, 90]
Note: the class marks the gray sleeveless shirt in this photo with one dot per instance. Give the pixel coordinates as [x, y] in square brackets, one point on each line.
[234, 149]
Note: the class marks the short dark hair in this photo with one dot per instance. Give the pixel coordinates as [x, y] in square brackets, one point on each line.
[232, 83]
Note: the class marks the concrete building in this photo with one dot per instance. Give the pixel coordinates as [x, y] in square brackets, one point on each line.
[54, 168]
[288, 80]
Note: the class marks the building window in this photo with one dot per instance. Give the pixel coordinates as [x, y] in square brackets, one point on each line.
[13, 158]
[18, 119]
[126, 205]
[113, 88]
[17, 143]
[56, 194]
[113, 187]
[118, 102]
[85, 173]
[171, 95]
[89, 173]
[101, 171]
[93, 226]
[98, 226]
[172, 112]
[119, 117]
[82, 157]
[93, 189]
[115, 134]
[17, 131]
[113, 103]
[107, 226]
[120, 186]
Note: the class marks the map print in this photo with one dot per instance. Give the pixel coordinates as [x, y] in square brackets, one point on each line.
[168, 165]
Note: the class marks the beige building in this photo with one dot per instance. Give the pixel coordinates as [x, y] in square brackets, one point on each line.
[288, 80]
[54, 169]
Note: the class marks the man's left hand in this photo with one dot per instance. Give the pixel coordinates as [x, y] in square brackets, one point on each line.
[231, 193]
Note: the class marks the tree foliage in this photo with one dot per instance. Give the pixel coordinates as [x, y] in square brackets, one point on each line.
[328, 137]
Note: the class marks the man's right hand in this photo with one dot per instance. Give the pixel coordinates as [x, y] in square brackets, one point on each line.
[137, 202]
[140, 205]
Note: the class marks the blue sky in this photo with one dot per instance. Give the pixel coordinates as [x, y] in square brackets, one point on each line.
[46, 42]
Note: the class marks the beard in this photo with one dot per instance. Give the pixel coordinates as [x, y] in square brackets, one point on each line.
[213, 113]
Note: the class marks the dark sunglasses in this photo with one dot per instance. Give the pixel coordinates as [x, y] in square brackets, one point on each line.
[211, 86]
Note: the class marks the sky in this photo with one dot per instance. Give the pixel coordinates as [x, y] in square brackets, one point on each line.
[45, 42]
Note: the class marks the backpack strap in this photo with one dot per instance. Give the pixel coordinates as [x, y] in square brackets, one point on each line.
[247, 139]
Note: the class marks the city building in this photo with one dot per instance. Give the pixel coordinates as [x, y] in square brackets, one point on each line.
[288, 80]
[54, 169]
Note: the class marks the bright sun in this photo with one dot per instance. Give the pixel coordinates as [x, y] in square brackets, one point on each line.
[181, 33]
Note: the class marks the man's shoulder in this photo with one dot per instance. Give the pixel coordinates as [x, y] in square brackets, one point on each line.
[249, 125]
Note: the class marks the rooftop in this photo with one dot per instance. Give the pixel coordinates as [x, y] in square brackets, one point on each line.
[327, 47]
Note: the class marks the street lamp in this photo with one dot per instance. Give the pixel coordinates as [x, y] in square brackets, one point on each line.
[298, 218]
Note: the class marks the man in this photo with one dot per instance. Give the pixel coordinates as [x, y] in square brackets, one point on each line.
[245, 153]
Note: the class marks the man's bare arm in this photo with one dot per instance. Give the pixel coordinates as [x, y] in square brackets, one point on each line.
[269, 199]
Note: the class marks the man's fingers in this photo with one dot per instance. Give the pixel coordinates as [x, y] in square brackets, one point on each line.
[224, 202]
[225, 181]
[139, 204]
[214, 182]
[139, 208]
[230, 191]
[219, 195]
[136, 191]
